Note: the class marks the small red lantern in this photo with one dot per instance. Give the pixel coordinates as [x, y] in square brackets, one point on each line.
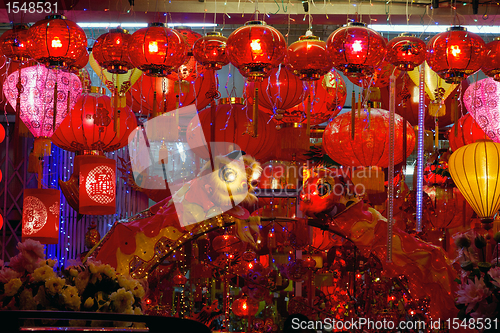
[97, 185]
[56, 41]
[245, 307]
[356, 50]
[179, 279]
[111, 51]
[157, 50]
[455, 54]
[41, 215]
[14, 43]
[210, 51]
[464, 132]
[308, 57]
[255, 49]
[491, 64]
[406, 51]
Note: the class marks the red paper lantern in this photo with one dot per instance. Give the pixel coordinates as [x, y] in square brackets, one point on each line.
[1, 222]
[14, 43]
[97, 185]
[380, 78]
[491, 64]
[369, 147]
[255, 49]
[356, 50]
[91, 126]
[41, 215]
[406, 52]
[467, 131]
[455, 54]
[308, 57]
[111, 51]
[245, 307]
[56, 41]
[179, 279]
[210, 51]
[277, 93]
[231, 126]
[190, 69]
[2, 133]
[80, 63]
[157, 50]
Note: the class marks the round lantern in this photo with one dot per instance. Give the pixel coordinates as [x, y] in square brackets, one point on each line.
[56, 41]
[255, 49]
[41, 215]
[14, 43]
[491, 64]
[231, 128]
[38, 110]
[245, 307]
[356, 50]
[474, 169]
[277, 93]
[455, 54]
[91, 125]
[111, 51]
[97, 191]
[157, 50]
[464, 132]
[80, 63]
[179, 279]
[406, 51]
[190, 69]
[369, 146]
[308, 58]
[210, 50]
[2, 133]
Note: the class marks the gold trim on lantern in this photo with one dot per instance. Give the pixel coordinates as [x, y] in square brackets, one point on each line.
[231, 100]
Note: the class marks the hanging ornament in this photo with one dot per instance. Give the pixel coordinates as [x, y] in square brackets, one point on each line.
[157, 50]
[97, 194]
[78, 65]
[92, 236]
[308, 57]
[245, 307]
[39, 110]
[41, 215]
[56, 41]
[179, 279]
[210, 50]
[14, 43]
[356, 50]
[455, 54]
[190, 69]
[491, 64]
[406, 52]
[111, 51]
[464, 132]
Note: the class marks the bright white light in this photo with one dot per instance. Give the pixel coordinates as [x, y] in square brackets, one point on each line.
[140, 25]
[432, 28]
[192, 25]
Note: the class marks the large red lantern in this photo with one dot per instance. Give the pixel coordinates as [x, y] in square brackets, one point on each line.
[231, 126]
[255, 49]
[111, 51]
[308, 57]
[190, 69]
[369, 146]
[245, 307]
[41, 215]
[464, 132]
[157, 50]
[79, 64]
[56, 41]
[277, 93]
[406, 52]
[210, 50]
[14, 43]
[97, 185]
[491, 63]
[91, 125]
[356, 50]
[455, 54]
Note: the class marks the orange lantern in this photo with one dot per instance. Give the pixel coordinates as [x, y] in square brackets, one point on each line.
[245, 307]
[97, 185]
[41, 215]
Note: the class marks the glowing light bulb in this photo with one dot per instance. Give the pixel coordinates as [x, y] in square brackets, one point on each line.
[455, 50]
[153, 47]
[244, 306]
[56, 42]
[118, 41]
[356, 46]
[256, 47]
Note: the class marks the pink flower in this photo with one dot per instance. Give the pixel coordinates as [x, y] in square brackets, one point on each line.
[494, 272]
[485, 310]
[7, 274]
[31, 250]
[473, 293]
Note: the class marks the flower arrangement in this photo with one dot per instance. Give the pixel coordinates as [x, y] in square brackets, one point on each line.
[31, 283]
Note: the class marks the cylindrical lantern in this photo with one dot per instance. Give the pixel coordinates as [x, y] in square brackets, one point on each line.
[464, 132]
[406, 51]
[308, 57]
[474, 169]
[245, 307]
[56, 41]
[41, 215]
[111, 51]
[97, 186]
[455, 54]
[210, 50]
[491, 63]
[14, 43]
[255, 49]
[356, 50]
[157, 50]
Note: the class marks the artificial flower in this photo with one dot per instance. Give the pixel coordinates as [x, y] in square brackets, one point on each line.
[7, 274]
[26, 300]
[121, 299]
[71, 298]
[43, 273]
[31, 250]
[73, 272]
[12, 287]
[82, 281]
[54, 285]
[473, 293]
[88, 303]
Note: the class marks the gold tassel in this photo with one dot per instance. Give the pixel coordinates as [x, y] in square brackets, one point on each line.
[55, 108]
[42, 147]
[255, 110]
[436, 144]
[359, 104]
[308, 115]
[353, 113]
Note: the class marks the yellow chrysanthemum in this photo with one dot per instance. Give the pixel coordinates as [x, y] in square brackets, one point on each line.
[121, 299]
[71, 298]
[12, 287]
[54, 285]
[89, 302]
[43, 273]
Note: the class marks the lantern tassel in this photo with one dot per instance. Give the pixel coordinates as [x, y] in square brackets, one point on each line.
[454, 113]
[55, 108]
[359, 104]
[116, 114]
[436, 144]
[353, 113]
[42, 147]
[308, 115]
[255, 110]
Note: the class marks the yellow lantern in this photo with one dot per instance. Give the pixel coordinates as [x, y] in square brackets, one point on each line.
[475, 170]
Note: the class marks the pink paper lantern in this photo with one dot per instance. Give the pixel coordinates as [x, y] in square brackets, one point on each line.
[482, 100]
